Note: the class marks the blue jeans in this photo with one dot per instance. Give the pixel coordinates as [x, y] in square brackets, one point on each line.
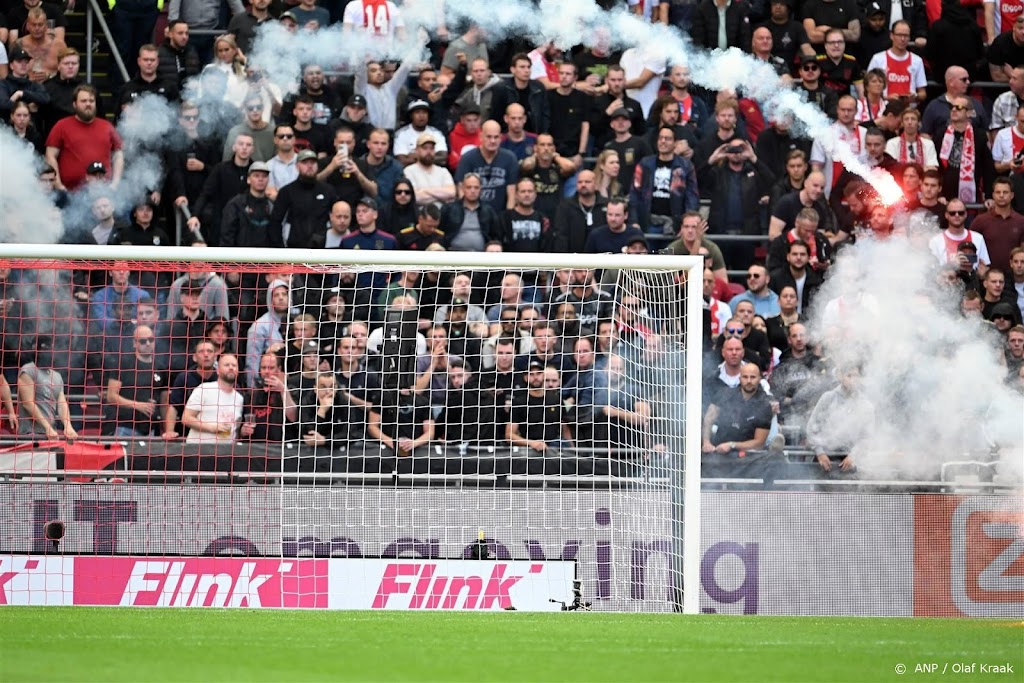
[121, 430]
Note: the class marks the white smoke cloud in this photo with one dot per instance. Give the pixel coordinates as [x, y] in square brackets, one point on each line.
[28, 214]
[933, 377]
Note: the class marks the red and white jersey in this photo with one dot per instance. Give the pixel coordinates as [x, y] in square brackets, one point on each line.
[1006, 13]
[1009, 143]
[832, 168]
[720, 315]
[380, 18]
[944, 246]
[903, 75]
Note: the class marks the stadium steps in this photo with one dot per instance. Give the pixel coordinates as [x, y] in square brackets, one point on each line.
[102, 63]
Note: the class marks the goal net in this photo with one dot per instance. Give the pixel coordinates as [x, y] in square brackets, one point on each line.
[366, 430]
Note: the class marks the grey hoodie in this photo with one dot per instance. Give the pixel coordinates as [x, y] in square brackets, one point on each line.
[264, 332]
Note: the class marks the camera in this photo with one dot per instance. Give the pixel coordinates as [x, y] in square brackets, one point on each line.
[734, 149]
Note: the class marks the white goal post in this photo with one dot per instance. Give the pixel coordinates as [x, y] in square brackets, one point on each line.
[620, 505]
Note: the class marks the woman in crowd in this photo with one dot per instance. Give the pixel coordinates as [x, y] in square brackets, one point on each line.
[606, 173]
[871, 106]
[230, 60]
[21, 125]
[777, 327]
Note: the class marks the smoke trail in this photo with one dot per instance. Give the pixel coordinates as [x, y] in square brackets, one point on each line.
[933, 377]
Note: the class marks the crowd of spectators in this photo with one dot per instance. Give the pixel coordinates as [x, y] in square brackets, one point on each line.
[499, 145]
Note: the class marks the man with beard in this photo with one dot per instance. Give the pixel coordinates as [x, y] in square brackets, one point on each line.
[538, 418]
[789, 38]
[305, 205]
[178, 59]
[213, 409]
[41, 399]
[578, 215]
[798, 275]
[409, 138]
[664, 186]
[204, 359]
[607, 104]
[77, 141]
[630, 148]
[743, 416]
[432, 183]
[524, 229]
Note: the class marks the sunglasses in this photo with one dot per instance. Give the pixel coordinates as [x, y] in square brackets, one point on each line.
[145, 340]
[403, 191]
[810, 67]
[286, 136]
[960, 107]
[255, 108]
[734, 330]
[752, 276]
[956, 213]
[189, 118]
[1002, 317]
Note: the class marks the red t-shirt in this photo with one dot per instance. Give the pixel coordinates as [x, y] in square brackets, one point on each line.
[80, 144]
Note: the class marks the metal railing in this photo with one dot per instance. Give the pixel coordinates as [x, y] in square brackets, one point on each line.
[94, 13]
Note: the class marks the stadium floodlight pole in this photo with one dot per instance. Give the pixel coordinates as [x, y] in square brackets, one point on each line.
[634, 496]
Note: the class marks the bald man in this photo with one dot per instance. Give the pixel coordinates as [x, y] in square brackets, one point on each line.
[497, 168]
[740, 418]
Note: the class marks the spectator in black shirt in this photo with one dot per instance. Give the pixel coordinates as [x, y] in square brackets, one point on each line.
[819, 16]
[226, 180]
[789, 38]
[305, 204]
[136, 389]
[204, 369]
[1007, 51]
[708, 34]
[524, 229]
[742, 416]
[146, 81]
[270, 406]
[570, 116]
[538, 419]
[183, 331]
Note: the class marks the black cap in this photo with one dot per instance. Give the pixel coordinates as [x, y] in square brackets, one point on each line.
[96, 168]
[470, 109]
[622, 111]
[459, 303]
[787, 3]
[310, 346]
[1003, 308]
[44, 342]
[536, 365]
[639, 239]
[873, 9]
[357, 101]
[967, 245]
[368, 202]
[808, 59]
[18, 54]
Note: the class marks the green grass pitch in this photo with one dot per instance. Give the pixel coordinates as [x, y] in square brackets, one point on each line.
[131, 644]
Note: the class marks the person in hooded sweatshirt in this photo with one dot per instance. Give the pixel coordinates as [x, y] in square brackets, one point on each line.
[305, 205]
[266, 331]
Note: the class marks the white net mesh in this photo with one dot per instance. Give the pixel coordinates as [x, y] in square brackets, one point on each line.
[476, 437]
